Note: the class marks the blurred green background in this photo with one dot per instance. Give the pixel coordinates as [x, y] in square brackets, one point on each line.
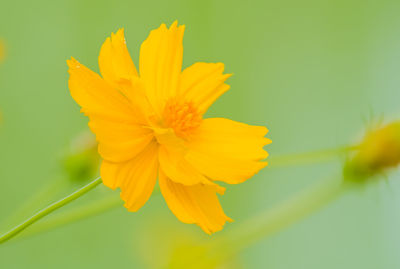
[316, 73]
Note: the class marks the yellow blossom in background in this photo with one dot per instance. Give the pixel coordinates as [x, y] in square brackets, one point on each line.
[379, 151]
[2, 55]
[2, 50]
[179, 248]
[149, 124]
[197, 256]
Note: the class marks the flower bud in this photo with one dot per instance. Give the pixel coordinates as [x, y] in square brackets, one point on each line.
[378, 152]
[81, 162]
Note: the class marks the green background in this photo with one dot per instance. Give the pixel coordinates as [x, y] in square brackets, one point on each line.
[316, 73]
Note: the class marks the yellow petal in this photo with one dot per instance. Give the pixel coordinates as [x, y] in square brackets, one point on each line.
[95, 96]
[176, 168]
[121, 143]
[228, 151]
[203, 83]
[115, 61]
[111, 115]
[197, 204]
[160, 64]
[136, 178]
[118, 70]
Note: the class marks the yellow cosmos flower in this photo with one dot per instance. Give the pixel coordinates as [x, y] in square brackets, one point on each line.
[149, 125]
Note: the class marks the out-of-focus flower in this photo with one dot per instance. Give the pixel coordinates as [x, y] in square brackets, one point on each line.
[81, 162]
[180, 249]
[378, 152]
[2, 55]
[194, 256]
[152, 124]
[2, 50]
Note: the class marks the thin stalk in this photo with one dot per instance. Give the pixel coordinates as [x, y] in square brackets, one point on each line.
[279, 217]
[267, 223]
[46, 193]
[76, 214]
[44, 212]
[308, 157]
[82, 212]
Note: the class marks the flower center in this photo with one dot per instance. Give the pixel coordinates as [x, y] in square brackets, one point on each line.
[183, 117]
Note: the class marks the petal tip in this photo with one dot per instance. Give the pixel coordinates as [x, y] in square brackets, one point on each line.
[177, 28]
[73, 64]
[109, 185]
[130, 208]
[174, 24]
[226, 76]
[120, 34]
[163, 26]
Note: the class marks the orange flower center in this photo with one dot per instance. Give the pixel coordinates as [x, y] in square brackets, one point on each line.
[181, 116]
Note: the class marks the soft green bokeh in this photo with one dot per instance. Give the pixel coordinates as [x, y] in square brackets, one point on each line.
[315, 72]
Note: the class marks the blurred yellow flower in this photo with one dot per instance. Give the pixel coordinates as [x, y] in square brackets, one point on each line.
[379, 151]
[151, 126]
[2, 50]
[180, 248]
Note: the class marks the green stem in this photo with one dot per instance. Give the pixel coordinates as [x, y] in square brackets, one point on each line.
[45, 194]
[269, 222]
[44, 212]
[78, 213]
[308, 157]
[81, 212]
[279, 217]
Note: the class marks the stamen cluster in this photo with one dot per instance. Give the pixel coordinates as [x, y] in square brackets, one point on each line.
[181, 116]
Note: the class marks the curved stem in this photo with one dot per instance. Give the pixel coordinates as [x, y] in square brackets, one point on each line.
[75, 214]
[78, 213]
[82, 212]
[267, 223]
[45, 194]
[44, 212]
[280, 217]
[288, 212]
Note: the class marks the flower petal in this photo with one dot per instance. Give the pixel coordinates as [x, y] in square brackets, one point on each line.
[118, 141]
[118, 70]
[197, 204]
[95, 96]
[136, 178]
[111, 115]
[203, 83]
[178, 169]
[115, 61]
[228, 151]
[160, 64]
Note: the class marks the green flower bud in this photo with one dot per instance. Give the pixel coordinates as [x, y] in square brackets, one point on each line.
[378, 152]
[82, 161]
